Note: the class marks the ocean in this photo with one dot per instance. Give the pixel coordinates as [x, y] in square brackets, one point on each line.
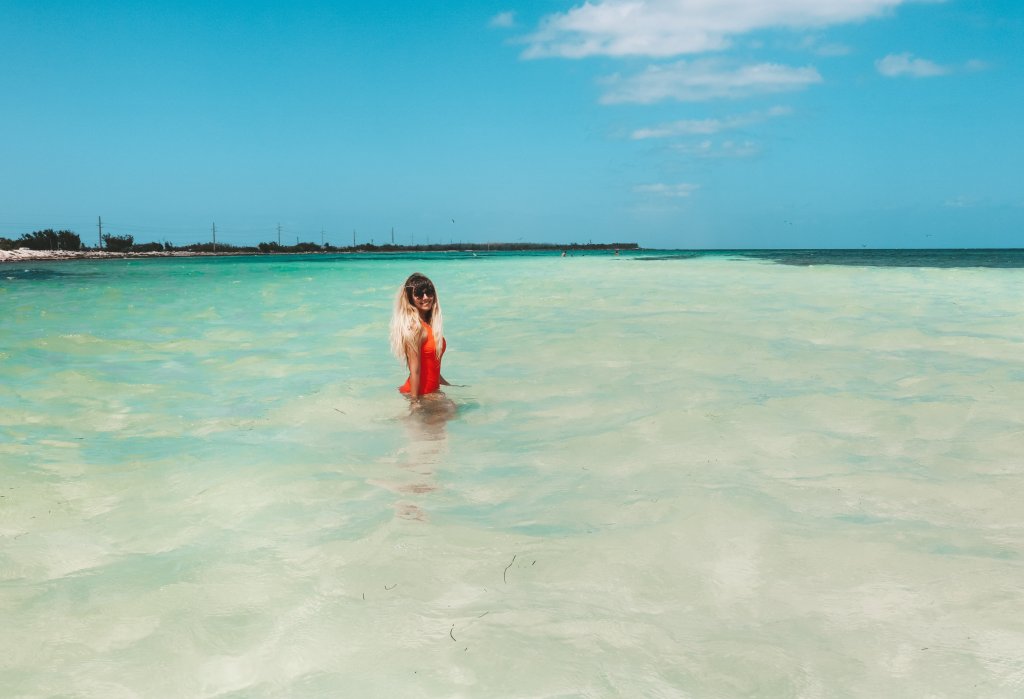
[659, 474]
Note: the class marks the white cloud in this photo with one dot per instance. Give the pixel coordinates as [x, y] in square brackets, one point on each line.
[673, 191]
[503, 20]
[707, 127]
[698, 81]
[897, 65]
[675, 27]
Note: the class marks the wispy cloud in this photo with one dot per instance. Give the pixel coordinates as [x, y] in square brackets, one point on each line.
[672, 191]
[675, 27]
[503, 20]
[723, 149]
[961, 202]
[897, 65]
[826, 49]
[708, 127]
[707, 79]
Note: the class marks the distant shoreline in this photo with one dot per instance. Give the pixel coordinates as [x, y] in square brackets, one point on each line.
[1007, 258]
[26, 254]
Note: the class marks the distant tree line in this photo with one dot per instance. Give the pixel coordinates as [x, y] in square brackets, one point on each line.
[50, 239]
[44, 240]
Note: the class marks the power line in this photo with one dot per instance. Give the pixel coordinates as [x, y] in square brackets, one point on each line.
[191, 232]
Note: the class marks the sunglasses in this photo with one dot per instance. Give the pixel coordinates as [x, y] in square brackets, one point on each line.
[421, 290]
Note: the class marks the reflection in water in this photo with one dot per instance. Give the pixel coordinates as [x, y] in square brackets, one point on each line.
[426, 427]
[429, 419]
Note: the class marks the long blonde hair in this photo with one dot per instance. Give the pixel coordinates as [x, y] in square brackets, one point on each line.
[406, 328]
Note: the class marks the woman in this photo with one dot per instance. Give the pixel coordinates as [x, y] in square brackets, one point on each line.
[416, 334]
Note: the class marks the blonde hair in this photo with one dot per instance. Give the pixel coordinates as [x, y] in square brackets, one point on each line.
[406, 328]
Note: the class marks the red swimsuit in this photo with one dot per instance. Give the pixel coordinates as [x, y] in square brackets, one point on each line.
[430, 364]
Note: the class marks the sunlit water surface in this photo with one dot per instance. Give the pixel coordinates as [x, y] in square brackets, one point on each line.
[706, 477]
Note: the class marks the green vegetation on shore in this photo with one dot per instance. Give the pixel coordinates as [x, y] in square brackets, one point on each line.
[48, 239]
[66, 240]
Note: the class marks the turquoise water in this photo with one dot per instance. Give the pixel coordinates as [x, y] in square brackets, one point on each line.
[715, 476]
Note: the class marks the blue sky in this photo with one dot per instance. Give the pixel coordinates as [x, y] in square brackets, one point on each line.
[672, 123]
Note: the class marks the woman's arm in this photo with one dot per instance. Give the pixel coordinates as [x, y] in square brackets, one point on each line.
[412, 356]
[444, 346]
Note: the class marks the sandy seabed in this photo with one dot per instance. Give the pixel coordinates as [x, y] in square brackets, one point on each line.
[705, 477]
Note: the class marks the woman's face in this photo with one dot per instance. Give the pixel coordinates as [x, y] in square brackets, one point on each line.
[423, 297]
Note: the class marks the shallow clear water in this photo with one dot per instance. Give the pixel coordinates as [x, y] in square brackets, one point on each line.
[706, 477]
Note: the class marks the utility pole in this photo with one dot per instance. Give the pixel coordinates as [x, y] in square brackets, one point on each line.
[215, 237]
[279, 234]
[392, 235]
[99, 223]
[353, 237]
